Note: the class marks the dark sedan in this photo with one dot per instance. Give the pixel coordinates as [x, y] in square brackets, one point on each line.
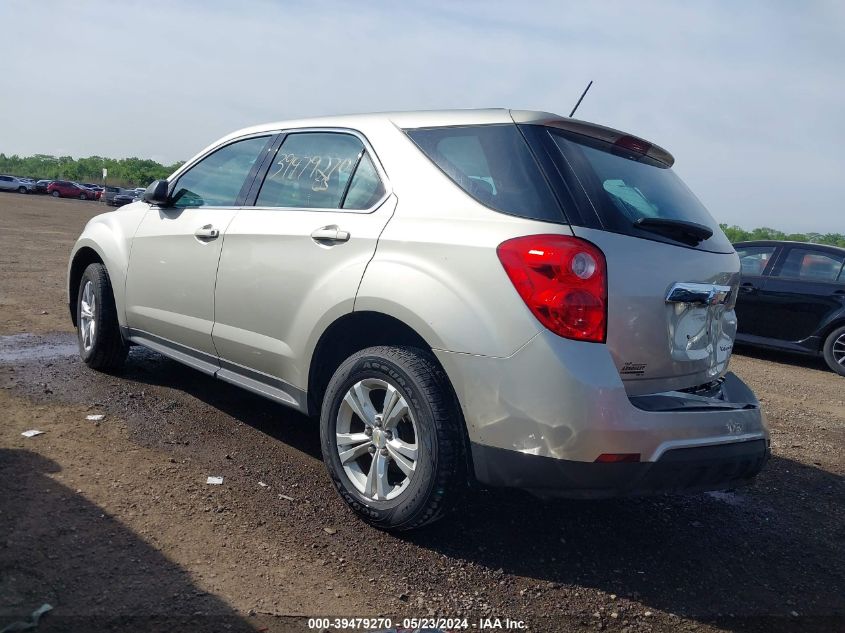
[792, 297]
[125, 197]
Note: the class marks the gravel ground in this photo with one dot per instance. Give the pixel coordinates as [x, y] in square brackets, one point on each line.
[113, 524]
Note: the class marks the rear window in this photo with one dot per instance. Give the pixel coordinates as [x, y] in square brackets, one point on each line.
[494, 165]
[624, 187]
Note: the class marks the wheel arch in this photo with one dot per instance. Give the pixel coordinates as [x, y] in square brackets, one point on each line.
[358, 330]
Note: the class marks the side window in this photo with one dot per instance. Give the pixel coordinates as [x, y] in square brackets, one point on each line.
[754, 259]
[217, 179]
[366, 188]
[493, 164]
[312, 170]
[811, 265]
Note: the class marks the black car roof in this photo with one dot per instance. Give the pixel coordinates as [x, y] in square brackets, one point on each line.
[838, 250]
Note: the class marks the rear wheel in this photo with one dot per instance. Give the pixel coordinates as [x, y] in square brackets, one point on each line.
[391, 437]
[834, 350]
[82, 196]
[55, 194]
[100, 344]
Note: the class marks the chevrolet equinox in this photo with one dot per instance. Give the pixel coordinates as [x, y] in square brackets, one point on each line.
[497, 296]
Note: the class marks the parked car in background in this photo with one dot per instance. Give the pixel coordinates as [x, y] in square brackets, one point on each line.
[526, 300]
[126, 196]
[97, 193]
[792, 298]
[41, 186]
[13, 183]
[109, 193]
[92, 186]
[68, 189]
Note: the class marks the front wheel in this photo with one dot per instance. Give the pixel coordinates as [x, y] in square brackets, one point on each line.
[391, 437]
[100, 344]
[22, 189]
[834, 350]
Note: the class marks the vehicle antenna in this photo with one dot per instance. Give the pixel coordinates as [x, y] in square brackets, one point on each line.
[582, 97]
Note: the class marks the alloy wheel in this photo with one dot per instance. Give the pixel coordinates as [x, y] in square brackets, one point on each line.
[376, 439]
[839, 350]
[87, 316]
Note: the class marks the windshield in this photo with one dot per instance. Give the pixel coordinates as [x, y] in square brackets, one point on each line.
[628, 189]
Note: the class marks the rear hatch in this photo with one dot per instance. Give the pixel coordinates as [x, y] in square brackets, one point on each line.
[672, 273]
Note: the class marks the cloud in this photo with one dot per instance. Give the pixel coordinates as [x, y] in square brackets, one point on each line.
[746, 96]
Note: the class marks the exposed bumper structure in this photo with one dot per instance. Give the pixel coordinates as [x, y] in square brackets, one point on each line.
[540, 418]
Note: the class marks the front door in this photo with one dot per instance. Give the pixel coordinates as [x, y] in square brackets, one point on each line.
[175, 251]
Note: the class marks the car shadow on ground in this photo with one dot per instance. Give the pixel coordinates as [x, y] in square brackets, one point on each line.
[61, 549]
[746, 558]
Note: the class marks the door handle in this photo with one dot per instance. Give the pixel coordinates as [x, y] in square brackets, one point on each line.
[207, 232]
[839, 293]
[747, 288]
[330, 234]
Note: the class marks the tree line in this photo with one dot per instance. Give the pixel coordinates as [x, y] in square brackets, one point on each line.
[135, 172]
[737, 234]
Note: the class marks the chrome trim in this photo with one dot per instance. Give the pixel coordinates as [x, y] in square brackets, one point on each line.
[695, 293]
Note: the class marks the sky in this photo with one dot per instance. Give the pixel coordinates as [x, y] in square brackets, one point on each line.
[749, 97]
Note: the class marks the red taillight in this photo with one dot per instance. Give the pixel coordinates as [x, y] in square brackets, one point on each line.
[563, 281]
[617, 458]
[633, 143]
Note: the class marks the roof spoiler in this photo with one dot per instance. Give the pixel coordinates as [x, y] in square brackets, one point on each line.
[602, 133]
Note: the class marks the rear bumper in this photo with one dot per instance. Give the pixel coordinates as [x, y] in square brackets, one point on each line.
[540, 418]
[680, 470]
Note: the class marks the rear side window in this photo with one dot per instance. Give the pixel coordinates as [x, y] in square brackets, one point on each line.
[802, 263]
[754, 259]
[494, 165]
[314, 170]
[625, 187]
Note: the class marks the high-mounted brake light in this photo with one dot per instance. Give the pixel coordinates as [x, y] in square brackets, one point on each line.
[563, 281]
[633, 143]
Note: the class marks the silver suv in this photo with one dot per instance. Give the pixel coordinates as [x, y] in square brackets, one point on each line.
[505, 297]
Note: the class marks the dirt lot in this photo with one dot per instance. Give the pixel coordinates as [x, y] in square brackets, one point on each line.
[112, 522]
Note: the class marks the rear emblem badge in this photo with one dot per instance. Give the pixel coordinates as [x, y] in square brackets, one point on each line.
[633, 369]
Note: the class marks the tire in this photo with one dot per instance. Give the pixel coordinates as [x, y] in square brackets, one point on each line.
[433, 420]
[101, 347]
[82, 196]
[56, 194]
[22, 190]
[834, 350]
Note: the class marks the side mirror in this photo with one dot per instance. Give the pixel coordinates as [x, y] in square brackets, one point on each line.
[156, 193]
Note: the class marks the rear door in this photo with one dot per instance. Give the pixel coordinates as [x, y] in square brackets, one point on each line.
[292, 263]
[805, 290]
[672, 274]
[174, 256]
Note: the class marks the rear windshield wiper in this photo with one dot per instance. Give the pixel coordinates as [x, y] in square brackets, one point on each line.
[679, 230]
